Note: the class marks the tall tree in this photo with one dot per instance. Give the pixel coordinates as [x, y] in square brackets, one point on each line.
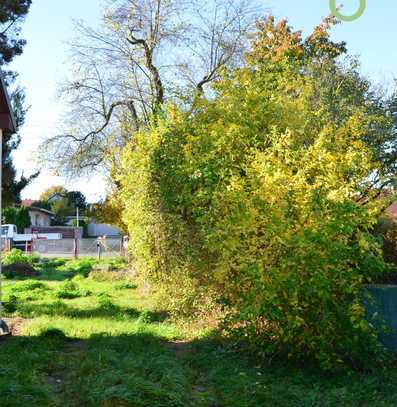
[52, 191]
[146, 53]
[17, 216]
[62, 202]
[12, 14]
[77, 199]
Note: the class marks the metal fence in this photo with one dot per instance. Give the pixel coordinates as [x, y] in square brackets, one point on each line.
[110, 247]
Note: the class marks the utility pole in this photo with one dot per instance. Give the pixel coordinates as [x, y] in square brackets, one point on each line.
[77, 216]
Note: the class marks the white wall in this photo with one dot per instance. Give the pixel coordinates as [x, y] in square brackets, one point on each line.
[38, 218]
[101, 229]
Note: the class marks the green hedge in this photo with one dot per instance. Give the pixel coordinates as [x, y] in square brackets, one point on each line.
[17, 216]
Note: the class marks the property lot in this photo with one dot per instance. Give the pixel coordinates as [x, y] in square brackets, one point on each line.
[86, 338]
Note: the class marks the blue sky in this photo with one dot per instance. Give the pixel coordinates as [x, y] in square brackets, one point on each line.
[44, 63]
[371, 36]
[41, 67]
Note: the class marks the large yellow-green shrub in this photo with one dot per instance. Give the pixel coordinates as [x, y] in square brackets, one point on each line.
[260, 199]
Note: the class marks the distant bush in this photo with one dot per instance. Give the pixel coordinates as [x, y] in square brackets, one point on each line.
[70, 290]
[30, 290]
[126, 286]
[11, 305]
[29, 286]
[17, 216]
[79, 266]
[55, 263]
[106, 304]
[16, 256]
[78, 278]
[116, 263]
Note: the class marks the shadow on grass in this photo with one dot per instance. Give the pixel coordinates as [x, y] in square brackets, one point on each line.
[50, 275]
[106, 310]
[51, 369]
[145, 369]
[59, 275]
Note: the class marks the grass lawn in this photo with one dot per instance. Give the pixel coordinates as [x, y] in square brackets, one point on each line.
[85, 342]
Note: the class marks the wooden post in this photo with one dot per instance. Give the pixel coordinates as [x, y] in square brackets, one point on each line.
[122, 247]
[99, 249]
[75, 248]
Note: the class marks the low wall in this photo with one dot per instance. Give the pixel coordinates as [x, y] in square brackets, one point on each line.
[85, 247]
[67, 232]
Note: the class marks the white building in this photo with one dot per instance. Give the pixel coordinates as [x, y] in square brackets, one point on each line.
[40, 217]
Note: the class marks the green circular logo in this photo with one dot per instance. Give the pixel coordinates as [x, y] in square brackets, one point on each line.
[355, 16]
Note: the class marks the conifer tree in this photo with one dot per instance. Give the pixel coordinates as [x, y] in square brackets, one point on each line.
[12, 14]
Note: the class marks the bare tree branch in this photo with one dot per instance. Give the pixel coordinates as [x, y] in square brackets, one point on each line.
[146, 53]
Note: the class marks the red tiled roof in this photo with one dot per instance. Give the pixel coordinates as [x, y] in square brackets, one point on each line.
[28, 202]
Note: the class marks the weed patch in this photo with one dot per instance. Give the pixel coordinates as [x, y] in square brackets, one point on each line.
[70, 290]
[113, 348]
[98, 275]
[29, 285]
[126, 286]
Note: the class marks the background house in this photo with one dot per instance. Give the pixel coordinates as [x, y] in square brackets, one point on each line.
[26, 203]
[43, 221]
[55, 198]
[40, 217]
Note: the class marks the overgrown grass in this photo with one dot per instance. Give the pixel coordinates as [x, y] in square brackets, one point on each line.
[104, 343]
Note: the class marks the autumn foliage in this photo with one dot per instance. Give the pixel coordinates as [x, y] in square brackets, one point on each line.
[259, 200]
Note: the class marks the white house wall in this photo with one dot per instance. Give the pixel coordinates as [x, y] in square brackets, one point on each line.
[101, 229]
[39, 219]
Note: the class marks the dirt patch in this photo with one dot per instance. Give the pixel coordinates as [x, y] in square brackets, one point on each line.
[15, 325]
[19, 269]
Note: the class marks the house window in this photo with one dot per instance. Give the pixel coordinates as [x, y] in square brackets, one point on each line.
[37, 221]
